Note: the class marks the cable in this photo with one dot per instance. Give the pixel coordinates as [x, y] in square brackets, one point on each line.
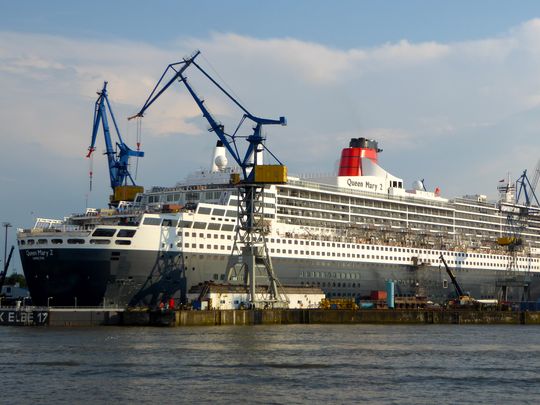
[222, 80]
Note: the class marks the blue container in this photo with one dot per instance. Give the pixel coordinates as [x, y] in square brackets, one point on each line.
[366, 305]
[390, 294]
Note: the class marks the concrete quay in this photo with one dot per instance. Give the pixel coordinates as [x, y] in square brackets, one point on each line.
[323, 316]
[78, 317]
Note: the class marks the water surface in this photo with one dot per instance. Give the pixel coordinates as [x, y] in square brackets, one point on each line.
[294, 364]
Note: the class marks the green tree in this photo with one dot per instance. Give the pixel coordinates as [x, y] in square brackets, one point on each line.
[15, 278]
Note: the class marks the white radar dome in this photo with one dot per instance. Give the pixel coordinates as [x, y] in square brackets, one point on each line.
[221, 162]
[418, 185]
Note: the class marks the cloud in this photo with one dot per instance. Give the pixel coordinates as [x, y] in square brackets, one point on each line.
[449, 109]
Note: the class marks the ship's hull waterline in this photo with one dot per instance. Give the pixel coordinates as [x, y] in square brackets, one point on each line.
[83, 277]
[96, 277]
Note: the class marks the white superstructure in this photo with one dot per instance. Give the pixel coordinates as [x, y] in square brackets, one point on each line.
[345, 234]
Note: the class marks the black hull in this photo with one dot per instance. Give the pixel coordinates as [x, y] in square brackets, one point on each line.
[96, 277]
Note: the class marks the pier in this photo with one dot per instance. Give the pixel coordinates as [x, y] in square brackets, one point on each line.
[85, 317]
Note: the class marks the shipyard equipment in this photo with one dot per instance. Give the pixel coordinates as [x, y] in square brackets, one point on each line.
[517, 216]
[6, 267]
[250, 239]
[122, 183]
[462, 297]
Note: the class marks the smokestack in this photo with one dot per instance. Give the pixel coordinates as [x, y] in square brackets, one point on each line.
[219, 160]
[351, 157]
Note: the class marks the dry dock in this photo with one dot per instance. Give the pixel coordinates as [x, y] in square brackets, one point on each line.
[99, 316]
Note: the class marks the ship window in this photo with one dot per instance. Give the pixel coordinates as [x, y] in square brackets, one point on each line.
[231, 214]
[57, 241]
[214, 226]
[185, 224]
[152, 221]
[100, 241]
[170, 222]
[123, 242]
[204, 210]
[227, 227]
[126, 233]
[199, 225]
[41, 241]
[75, 241]
[22, 242]
[218, 211]
[104, 232]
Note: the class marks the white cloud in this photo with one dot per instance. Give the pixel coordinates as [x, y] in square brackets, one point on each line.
[456, 101]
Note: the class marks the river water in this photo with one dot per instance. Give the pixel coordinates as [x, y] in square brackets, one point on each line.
[293, 364]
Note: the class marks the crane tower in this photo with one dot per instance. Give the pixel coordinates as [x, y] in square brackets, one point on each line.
[250, 237]
[118, 159]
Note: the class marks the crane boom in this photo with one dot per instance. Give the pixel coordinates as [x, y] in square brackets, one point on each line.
[228, 140]
[536, 176]
[459, 291]
[250, 234]
[6, 267]
[118, 160]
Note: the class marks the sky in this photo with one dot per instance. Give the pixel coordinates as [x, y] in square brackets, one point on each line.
[450, 90]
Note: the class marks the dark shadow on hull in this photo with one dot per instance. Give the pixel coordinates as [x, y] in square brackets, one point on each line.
[166, 280]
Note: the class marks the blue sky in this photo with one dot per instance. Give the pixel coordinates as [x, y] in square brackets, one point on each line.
[450, 89]
[342, 24]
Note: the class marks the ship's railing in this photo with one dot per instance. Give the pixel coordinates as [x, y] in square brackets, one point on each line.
[124, 212]
[409, 199]
[86, 309]
[64, 308]
[336, 189]
[378, 238]
[74, 230]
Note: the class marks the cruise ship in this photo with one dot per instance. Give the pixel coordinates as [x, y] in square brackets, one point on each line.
[347, 234]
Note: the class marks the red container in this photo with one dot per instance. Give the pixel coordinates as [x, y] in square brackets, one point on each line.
[378, 295]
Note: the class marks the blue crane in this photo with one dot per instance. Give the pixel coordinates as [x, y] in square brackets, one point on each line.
[255, 140]
[118, 159]
[250, 239]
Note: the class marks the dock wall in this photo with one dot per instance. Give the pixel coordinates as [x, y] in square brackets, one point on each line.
[180, 318]
[320, 316]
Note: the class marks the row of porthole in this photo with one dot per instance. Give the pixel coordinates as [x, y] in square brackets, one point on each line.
[331, 284]
[394, 249]
[56, 241]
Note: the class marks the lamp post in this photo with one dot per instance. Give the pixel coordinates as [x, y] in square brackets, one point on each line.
[5, 225]
[49, 301]
[75, 302]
